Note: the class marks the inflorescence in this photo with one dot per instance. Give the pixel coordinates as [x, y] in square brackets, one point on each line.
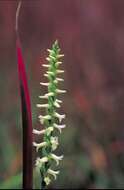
[52, 119]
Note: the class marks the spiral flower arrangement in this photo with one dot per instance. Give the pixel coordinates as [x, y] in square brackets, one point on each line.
[52, 119]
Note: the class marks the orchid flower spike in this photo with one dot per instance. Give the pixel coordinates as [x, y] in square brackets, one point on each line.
[51, 119]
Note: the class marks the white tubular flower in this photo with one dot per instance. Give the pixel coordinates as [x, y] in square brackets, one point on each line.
[59, 79]
[45, 65]
[49, 130]
[53, 58]
[60, 117]
[43, 97]
[56, 104]
[60, 71]
[60, 91]
[50, 73]
[36, 132]
[41, 161]
[59, 101]
[60, 55]
[47, 180]
[44, 83]
[53, 173]
[46, 75]
[59, 127]
[58, 63]
[49, 94]
[54, 142]
[56, 158]
[50, 50]
[42, 105]
[43, 118]
[48, 59]
[46, 96]
[39, 145]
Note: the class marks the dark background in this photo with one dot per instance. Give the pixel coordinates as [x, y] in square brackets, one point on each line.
[91, 35]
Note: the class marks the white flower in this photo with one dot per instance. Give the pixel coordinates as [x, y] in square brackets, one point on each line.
[40, 161]
[60, 91]
[54, 142]
[56, 104]
[38, 132]
[50, 73]
[60, 55]
[45, 65]
[52, 57]
[48, 59]
[60, 117]
[59, 79]
[56, 158]
[43, 118]
[60, 71]
[44, 83]
[59, 101]
[53, 173]
[59, 127]
[47, 131]
[46, 96]
[42, 105]
[39, 145]
[58, 63]
[50, 50]
[46, 75]
[47, 180]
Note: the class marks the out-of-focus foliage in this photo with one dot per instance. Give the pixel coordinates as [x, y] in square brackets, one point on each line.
[91, 34]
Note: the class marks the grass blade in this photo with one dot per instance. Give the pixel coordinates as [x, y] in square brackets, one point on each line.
[26, 112]
[26, 121]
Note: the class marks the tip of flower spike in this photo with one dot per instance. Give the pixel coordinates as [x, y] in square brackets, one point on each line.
[55, 44]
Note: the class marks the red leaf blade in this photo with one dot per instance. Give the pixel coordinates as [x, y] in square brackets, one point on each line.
[26, 121]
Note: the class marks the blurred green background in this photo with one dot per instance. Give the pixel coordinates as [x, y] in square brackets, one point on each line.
[91, 35]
